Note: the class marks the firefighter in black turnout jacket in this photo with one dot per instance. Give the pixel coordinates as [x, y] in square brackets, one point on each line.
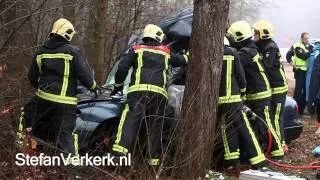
[235, 126]
[147, 93]
[270, 54]
[54, 71]
[258, 92]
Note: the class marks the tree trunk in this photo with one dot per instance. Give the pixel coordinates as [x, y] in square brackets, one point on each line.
[100, 27]
[199, 122]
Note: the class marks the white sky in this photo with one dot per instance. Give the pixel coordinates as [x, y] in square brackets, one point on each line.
[292, 17]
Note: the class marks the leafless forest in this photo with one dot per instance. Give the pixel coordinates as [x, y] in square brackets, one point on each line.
[103, 29]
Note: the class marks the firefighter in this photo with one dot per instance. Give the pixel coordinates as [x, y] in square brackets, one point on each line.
[54, 71]
[258, 92]
[147, 93]
[235, 126]
[300, 52]
[270, 54]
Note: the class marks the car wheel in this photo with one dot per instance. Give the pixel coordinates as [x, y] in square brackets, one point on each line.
[101, 140]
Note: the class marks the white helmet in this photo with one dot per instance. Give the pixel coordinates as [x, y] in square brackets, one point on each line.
[240, 31]
[154, 32]
[64, 28]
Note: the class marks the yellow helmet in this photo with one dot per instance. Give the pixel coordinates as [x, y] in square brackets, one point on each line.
[226, 41]
[64, 28]
[240, 31]
[265, 29]
[154, 32]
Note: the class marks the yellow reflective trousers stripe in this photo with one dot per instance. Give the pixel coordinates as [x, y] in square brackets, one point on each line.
[279, 151]
[76, 139]
[120, 149]
[253, 136]
[277, 119]
[56, 98]
[258, 159]
[148, 87]
[260, 156]
[227, 154]
[122, 120]
[224, 136]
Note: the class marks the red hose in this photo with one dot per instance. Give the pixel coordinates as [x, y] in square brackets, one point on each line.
[292, 167]
[284, 165]
[269, 143]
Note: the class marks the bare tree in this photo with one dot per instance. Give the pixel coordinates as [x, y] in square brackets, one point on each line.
[100, 24]
[199, 121]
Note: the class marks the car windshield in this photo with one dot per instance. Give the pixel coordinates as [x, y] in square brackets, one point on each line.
[111, 77]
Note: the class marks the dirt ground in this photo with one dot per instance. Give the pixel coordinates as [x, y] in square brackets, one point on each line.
[300, 149]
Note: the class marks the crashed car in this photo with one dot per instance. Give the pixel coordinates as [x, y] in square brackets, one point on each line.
[98, 118]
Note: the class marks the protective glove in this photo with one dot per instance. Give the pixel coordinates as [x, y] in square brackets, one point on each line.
[117, 88]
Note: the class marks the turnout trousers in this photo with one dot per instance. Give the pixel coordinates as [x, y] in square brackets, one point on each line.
[263, 123]
[236, 129]
[143, 111]
[51, 122]
[300, 89]
[277, 103]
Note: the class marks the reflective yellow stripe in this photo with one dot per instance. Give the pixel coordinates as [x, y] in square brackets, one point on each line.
[276, 119]
[274, 134]
[165, 71]
[154, 162]
[231, 156]
[280, 90]
[76, 145]
[253, 136]
[300, 63]
[148, 87]
[120, 149]
[123, 118]
[56, 55]
[140, 64]
[277, 153]
[52, 97]
[260, 95]
[65, 78]
[56, 98]
[230, 99]
[38, 59]
[243, 90]
[263, 74]
[94, 85]
[258, 159]
[224, 136]
[229, 60]
[283, 89]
